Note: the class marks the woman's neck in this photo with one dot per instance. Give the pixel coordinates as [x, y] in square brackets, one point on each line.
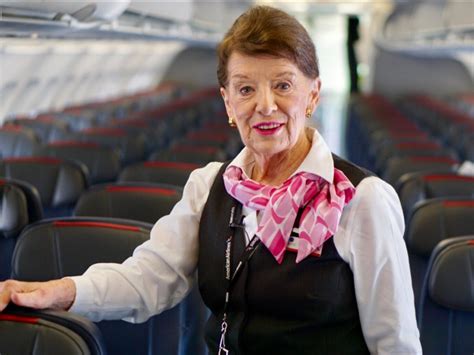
[274, 170]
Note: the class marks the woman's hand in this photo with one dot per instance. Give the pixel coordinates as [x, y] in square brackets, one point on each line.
[56, 294]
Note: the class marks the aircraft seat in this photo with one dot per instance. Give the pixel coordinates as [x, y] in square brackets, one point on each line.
[415, 187]
[47, 130]
[27, 331]
[398, 166]
[186, 154]
[13, 218]
[59, 183]
[138, 201]
[431, 222]
[130, 146]
[406, 149]
[446, 312]
[164, 172]
[103, 163]
[56, 248]
[16, 141]
[147, 203]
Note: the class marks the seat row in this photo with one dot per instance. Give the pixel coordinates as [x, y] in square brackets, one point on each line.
[445, 312]
[383, 139]
[180, 126]
[438, 205]
[118, 218]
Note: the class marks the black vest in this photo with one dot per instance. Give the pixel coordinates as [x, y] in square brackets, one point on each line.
[305, 308]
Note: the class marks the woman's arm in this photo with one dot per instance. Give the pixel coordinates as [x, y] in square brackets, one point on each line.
[158, 275]
[371, 241]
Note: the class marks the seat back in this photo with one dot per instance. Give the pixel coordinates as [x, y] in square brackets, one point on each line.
[163, 172]
[103, 163]
[13, 218]
[20, 205]
[13, 210]
[195, 155]
[398, 166]
[26, 331]
[56, 248]
[416, 187]
[58, 182]
[431, 222]
[446, 311]
[17, 141]
[130, 146]
[46, 130]
[138, 201]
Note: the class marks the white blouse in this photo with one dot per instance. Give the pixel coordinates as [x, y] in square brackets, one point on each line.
[370, 239]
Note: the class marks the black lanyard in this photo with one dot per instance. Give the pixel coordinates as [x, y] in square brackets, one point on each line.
[232, 277]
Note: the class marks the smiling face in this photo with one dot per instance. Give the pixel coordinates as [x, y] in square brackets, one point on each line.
[268, 98]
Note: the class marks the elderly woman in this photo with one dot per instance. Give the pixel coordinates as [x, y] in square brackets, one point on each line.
[297, 250]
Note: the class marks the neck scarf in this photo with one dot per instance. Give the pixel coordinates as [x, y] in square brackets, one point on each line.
[321, 201]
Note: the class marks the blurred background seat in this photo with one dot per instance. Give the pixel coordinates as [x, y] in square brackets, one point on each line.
[59, 182]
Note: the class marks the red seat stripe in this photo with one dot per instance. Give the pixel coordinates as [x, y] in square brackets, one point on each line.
[434, 160]
[74, 144]
[169, 164]
[447, 177]
[458, 203]
[45, 160]
[20, 319]
[153, 190]
[95, 224]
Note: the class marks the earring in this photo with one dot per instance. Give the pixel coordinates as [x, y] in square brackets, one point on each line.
[309, 113]
[231, 122]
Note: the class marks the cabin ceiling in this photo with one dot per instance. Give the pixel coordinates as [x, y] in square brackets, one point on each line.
[201, 21]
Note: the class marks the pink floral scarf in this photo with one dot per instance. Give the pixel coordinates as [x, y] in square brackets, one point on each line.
[322, 202]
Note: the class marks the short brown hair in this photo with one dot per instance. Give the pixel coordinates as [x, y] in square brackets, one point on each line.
[264, 30]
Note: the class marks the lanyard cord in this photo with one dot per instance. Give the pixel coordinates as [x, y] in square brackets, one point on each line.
[249, 251]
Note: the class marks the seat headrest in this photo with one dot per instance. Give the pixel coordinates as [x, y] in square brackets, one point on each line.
[451, 281]
[13, 210]
[59, 182]
[137, 201]
[68, 246]
[437, 219]
[24, 330]
[33, 199]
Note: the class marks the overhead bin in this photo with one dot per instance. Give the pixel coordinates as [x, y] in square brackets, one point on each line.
[80, 10]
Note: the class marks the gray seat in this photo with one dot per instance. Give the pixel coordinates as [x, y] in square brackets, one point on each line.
[398, 166]
[103, 163]
[431, 222]
[56, 248]
[24, 331]
[190, 154]
[59, 183]
[147, 203]
[163, 172]
[415, 187]
[138, 201]
[17, 141]
[19, 205]
[46, 129]
[446, 311]
[131, 146]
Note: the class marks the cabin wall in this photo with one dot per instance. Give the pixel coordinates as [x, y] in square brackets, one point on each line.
[48, 74]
